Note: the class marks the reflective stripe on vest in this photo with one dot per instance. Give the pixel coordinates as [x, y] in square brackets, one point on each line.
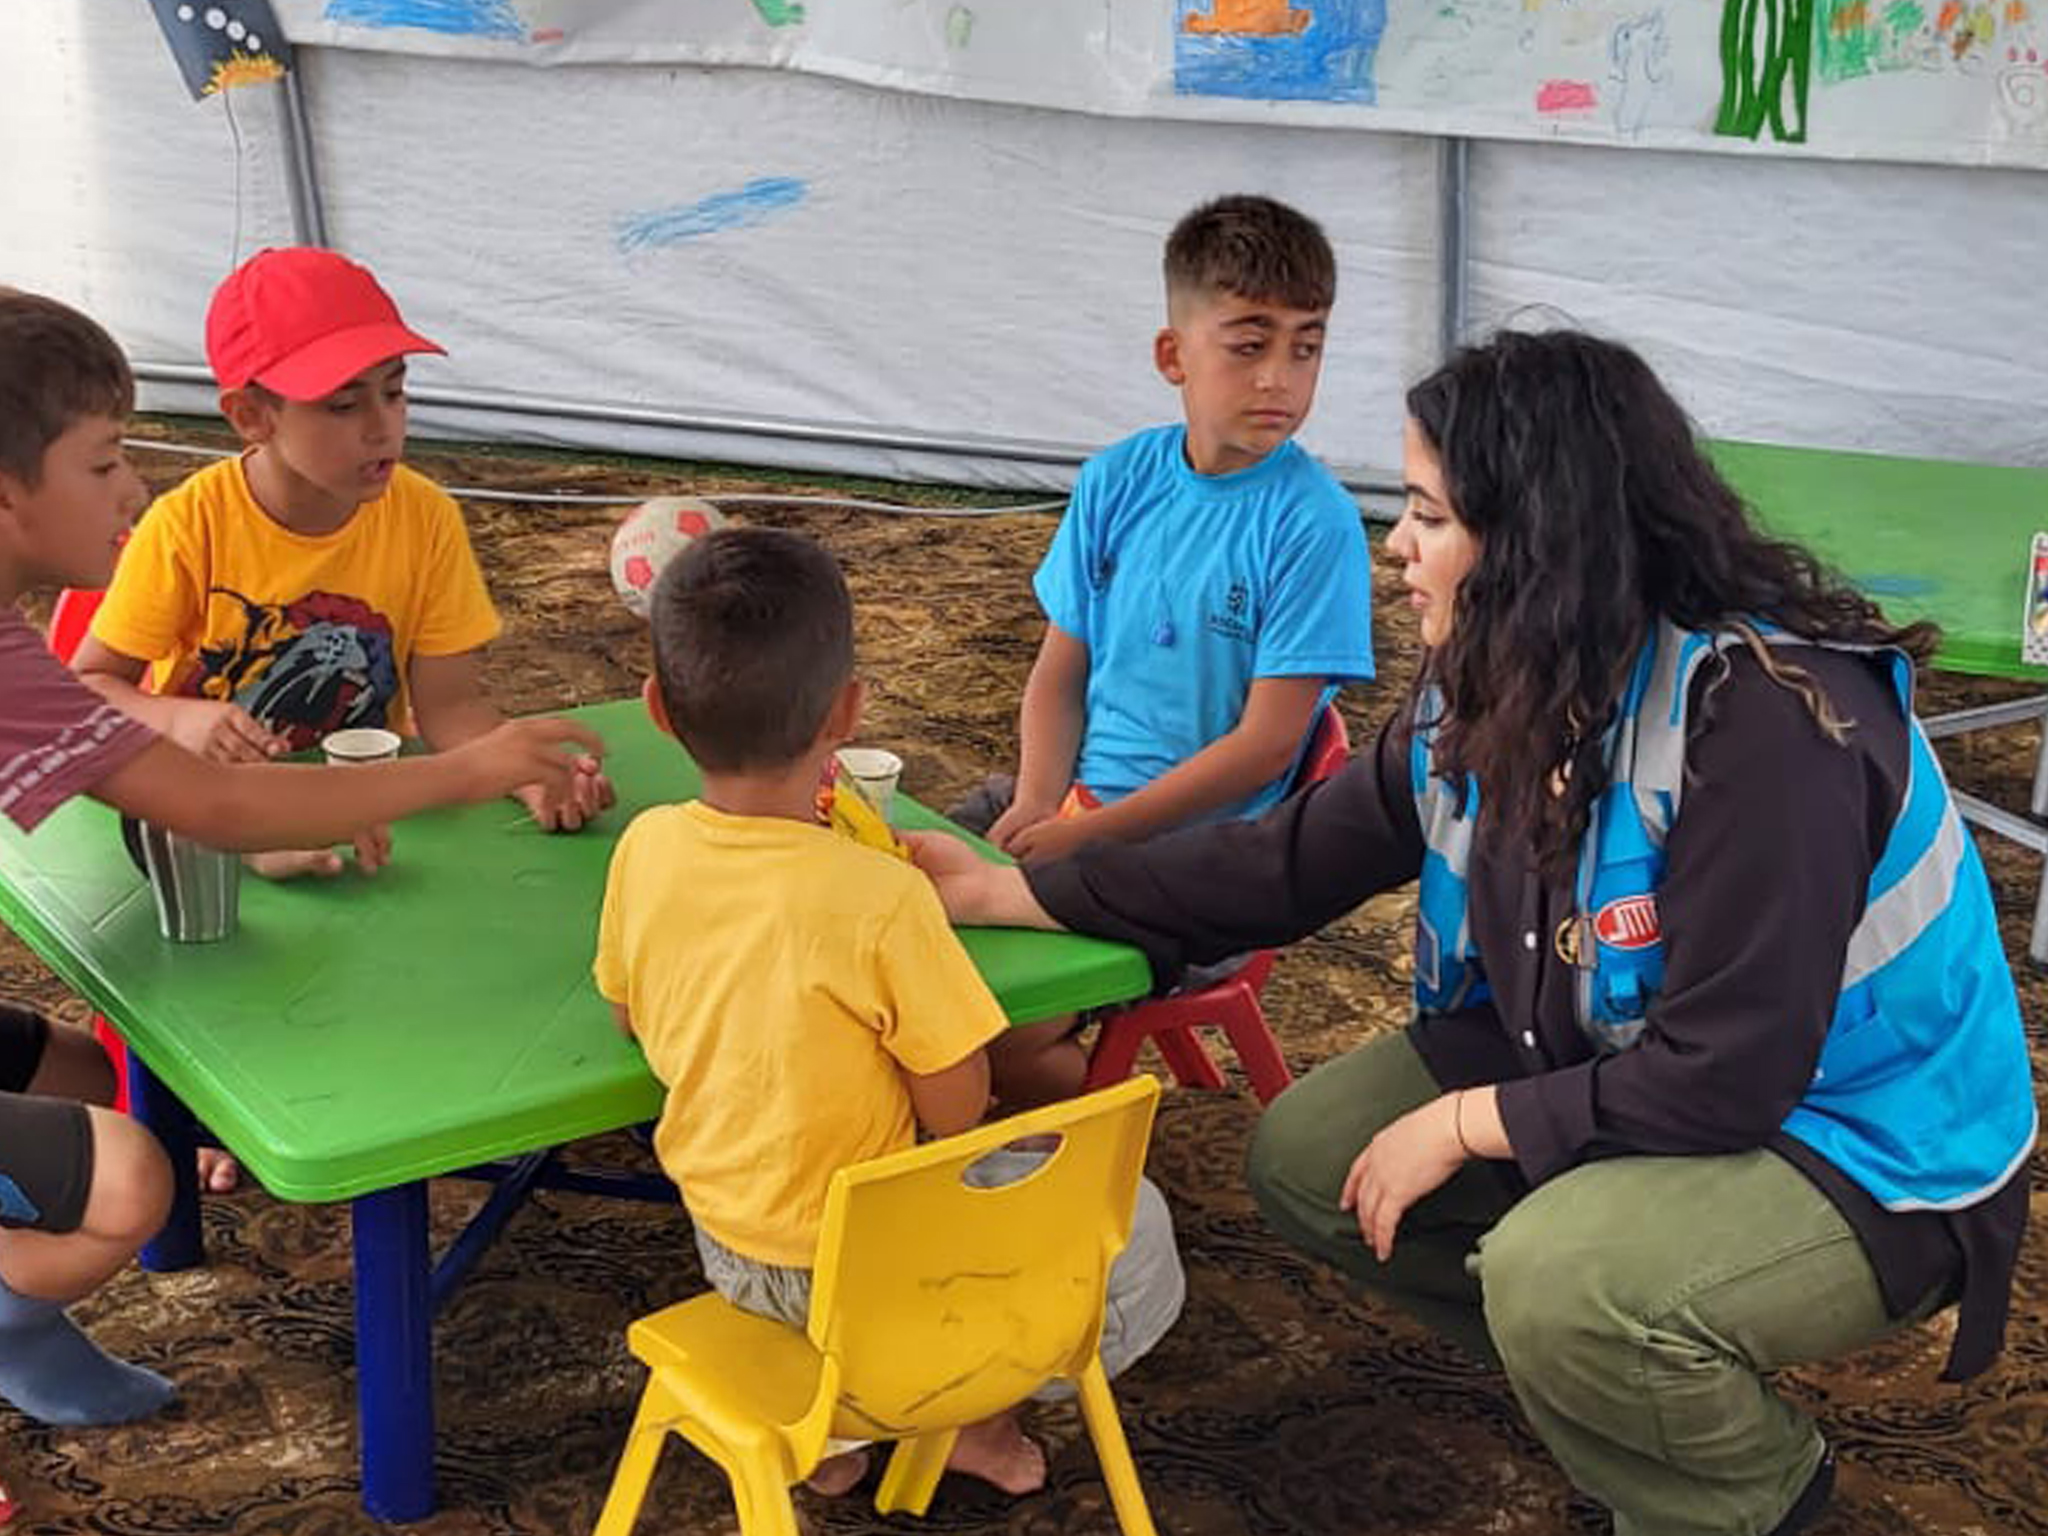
[1447, 970]
[1922, 1093]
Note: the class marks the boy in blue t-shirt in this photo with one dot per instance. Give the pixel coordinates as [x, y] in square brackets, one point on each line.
[1208, 591]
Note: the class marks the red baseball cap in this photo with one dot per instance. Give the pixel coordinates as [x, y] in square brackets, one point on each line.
[302, 321]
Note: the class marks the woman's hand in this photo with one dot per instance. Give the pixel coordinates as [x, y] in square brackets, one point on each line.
[1408, 1159]
[972, 889]
[956, 869]
[942, 856]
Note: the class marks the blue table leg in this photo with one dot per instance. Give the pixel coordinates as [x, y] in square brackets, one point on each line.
[181, 1244]
[394, 1352]
[472, 1241]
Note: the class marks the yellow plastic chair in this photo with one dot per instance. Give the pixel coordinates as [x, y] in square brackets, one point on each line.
[934, 1304]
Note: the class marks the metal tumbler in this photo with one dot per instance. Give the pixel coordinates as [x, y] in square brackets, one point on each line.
[197, 888]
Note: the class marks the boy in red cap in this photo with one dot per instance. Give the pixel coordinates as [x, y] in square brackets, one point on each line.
[313, 583]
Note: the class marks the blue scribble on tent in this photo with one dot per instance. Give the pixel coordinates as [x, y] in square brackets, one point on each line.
[1330, 57]
[754, 203]
[465, 18]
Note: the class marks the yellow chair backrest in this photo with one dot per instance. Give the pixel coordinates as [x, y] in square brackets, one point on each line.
[936, 1303]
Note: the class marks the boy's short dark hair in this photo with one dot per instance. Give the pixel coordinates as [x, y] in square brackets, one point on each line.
[56, 366]
[753, 639]
[1253, 247]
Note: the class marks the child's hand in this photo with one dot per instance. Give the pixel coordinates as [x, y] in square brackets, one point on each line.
[539, 752]
[588, 791]
[372, 850]
[1004, 831]
[223, 732]
[1053, 839]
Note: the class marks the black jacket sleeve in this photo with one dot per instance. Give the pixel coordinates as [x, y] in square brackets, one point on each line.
[1204, 892]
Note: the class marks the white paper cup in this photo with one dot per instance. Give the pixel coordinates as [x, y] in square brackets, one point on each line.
[361, 744]
[873, 772]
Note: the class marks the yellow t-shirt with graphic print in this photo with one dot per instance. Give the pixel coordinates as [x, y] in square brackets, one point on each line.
[308, 632]
[781, 979]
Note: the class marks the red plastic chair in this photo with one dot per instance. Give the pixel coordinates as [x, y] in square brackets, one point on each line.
[70, 618]
[1231, 1005]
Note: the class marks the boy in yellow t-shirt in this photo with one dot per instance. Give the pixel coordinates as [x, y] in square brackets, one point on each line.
[314, 582]
[800, 994]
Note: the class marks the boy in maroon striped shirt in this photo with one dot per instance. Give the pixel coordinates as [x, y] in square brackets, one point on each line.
[82, 1188]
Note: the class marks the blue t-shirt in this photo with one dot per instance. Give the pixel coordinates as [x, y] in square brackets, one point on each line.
[1186, 587]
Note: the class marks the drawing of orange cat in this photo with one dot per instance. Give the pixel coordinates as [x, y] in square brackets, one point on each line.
[1254, 18]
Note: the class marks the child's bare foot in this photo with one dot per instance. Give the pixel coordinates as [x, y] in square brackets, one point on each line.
[293, 863]
[999, 1452]
[219, 1173]
[836, 1475]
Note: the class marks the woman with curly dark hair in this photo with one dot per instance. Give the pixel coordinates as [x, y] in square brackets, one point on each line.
[1716, 1064]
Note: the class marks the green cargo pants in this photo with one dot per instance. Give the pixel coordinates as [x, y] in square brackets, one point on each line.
[1635, 1304]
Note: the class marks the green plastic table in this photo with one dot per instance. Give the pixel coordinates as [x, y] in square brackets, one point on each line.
[356, 1037]
[1928, 539]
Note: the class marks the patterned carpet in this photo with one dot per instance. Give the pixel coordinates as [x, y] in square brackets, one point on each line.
[1279, 1404]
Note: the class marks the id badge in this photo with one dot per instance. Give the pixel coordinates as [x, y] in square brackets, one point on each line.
[2034, 624]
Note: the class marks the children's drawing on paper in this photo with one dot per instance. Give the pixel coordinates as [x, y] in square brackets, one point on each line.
[1925, 81]
[1766, 64]
[1566, 98]
[1445, 52]
[1862, 37]
[462, 18]
[1247, 18]
[1319, 50]
[1640, 51]
[222, 43]
[2023, 90]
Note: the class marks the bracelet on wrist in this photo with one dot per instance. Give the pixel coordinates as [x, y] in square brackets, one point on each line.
[1458, 1121]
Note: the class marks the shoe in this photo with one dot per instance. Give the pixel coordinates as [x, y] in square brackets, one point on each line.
[1813, 1498]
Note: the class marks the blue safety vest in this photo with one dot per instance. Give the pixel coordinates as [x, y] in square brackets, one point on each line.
[1922, 1094]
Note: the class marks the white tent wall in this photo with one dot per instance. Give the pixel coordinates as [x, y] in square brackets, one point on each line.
[116, 192]
[1896, 308]
[954, 268]
[941, 274]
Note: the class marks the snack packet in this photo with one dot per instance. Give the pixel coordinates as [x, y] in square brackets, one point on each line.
[845, 811]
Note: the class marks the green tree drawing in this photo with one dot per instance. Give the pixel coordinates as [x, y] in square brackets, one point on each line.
[1766, 64]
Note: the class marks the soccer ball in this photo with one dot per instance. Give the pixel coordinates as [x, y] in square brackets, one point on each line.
[650, 536]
